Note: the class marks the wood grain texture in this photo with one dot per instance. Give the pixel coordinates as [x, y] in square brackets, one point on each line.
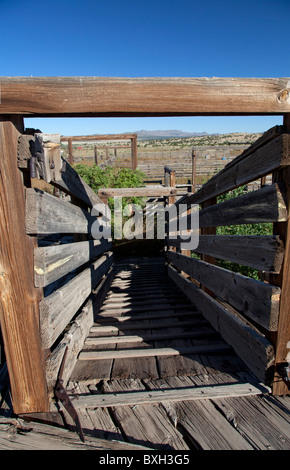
[57, 309]
[54, 262]
[258, 300]
[84, 96]
[46, 214]
[19, 314]
[248, 343]
[149, 191]
[161, 396]
[260, 252]
[261, 206]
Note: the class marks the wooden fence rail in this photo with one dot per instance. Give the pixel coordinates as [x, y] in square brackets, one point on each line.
[247, 312]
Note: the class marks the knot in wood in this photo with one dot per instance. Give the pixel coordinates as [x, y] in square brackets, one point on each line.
[284, 95]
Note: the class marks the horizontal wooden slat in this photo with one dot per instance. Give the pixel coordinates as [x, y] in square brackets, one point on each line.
[264, 205]
[75, 337]
[53, 262]
[144, 325]
[58, 309]
[149, 191]
[275, 154]
[170, 395]
[264, 253]
[258, 300]
[153, 96]
[131, 353]
[46, 214]
[147, 316]
[93, 342]
[248, 343]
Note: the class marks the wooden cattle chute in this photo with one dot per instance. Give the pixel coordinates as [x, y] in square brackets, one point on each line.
[248, 313]
[33, 365]
[90, 138]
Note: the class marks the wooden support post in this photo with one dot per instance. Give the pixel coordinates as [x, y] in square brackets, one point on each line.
[208, 231]
[172, 184]
[134, 152]
[282, 340]
[193, 171]
[70, 152]
[96, 154]
[19, 314]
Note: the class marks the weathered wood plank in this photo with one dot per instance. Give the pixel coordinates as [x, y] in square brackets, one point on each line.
[202, 424]
[75, 337]
[53, 262]
[91, 342]
[19, 314]
[149, 191]
[249, 344]
[17, 434]
[273, 155]
[179, 394]
[143, 324]
[257, 300]
[46, 214]
[130, 353]
[83, 96]
[146, 424]
[260, 252]
[57, 309]
[261, 206]
[73, 340]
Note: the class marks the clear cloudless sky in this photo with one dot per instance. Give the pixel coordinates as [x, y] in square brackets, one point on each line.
[152, 38]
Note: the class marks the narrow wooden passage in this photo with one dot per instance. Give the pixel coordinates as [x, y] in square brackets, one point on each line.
[153, 372]
[147, 329]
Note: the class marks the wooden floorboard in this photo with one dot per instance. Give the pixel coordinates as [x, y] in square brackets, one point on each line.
[194, 391]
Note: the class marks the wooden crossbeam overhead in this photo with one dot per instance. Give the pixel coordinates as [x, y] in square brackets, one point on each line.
[117, 97]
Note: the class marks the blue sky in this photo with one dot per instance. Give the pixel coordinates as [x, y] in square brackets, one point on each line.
[173, 38]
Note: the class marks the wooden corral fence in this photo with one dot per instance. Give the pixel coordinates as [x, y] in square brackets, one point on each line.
[93, 138]
[42, 316]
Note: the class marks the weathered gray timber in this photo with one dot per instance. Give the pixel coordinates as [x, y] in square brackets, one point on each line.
[264, 205]
[54, 262]
[258, 300]
[264, 252]
[57, 309]
[75, 337]
[171, 395]
[46, 214]
[249, 344]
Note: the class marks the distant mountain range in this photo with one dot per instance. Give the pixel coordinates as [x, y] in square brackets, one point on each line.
[167, 134]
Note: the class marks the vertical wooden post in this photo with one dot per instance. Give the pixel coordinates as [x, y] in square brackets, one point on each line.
[70, 152]
[171, 199]
[282, 340]
[134, 152]
[208, 231]
[193, 171]
[96, 154]
[19, 315]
